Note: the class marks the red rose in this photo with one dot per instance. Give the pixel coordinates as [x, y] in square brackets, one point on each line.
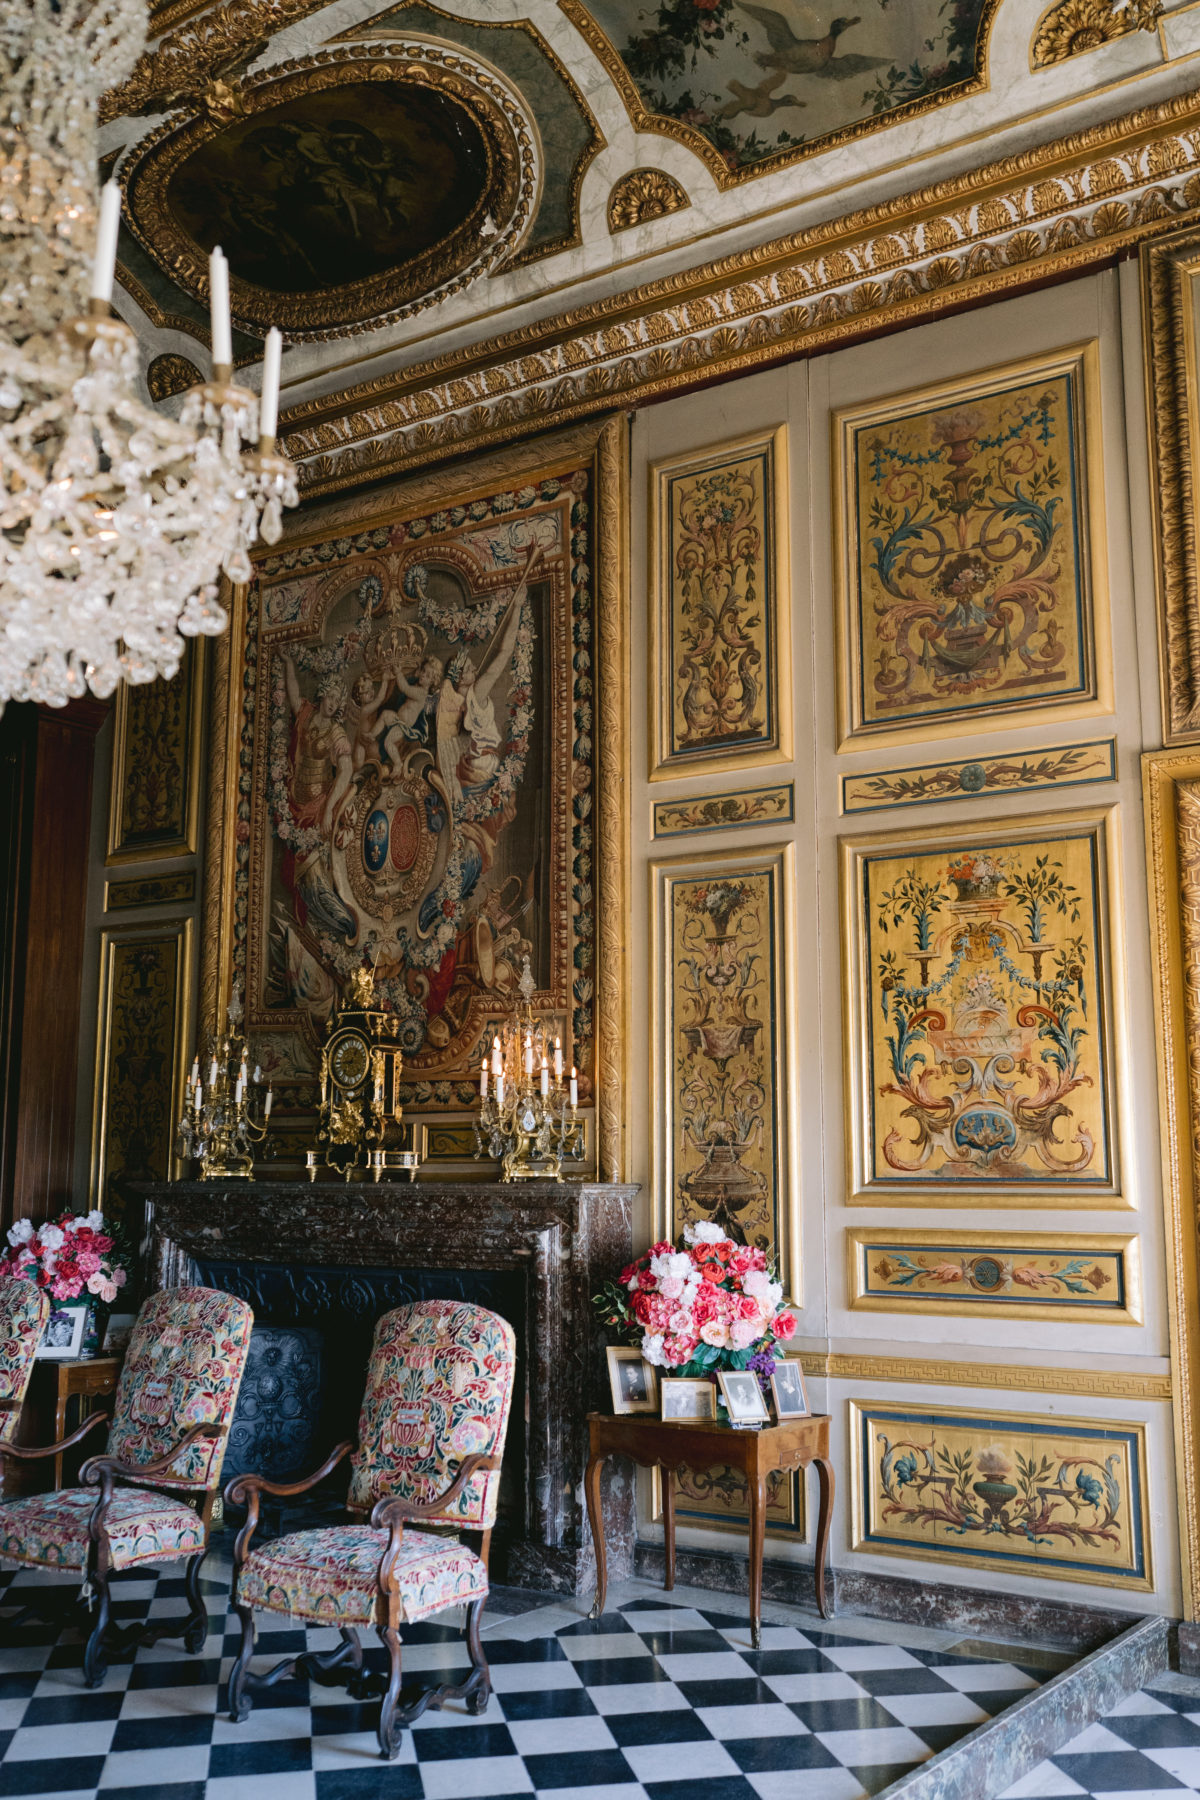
[713, 1273]
[784, 1325]
[649, 1282]
[642, 1308]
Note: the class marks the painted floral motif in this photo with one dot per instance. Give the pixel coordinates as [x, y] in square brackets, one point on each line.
[439, 1387]
[1016, 1276]
[985, 1028]
[332, 1574]
[51, 1530]
[722, 812]
[24, 1309]
[1074, 765]
[757, 80]
[183, 1366]
[1003, 1490]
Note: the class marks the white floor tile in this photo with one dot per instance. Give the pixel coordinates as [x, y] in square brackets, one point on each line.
[1091, 1740]
[624, 1790]
[546, 1737]
[774, 1637]
[1043, 1783]
[155, 1768]
[860, 1749]
[170, 1702]
[637, 1696]
[983, 1678]
[933, 1709]
[671, 1618]
[1139, 1704]
[727, 1722]
[822, 1686]
[265, 1724]
[263, 1787]
[41, 1741]
[870, 1656]
[356, 1750]
[1178, 1760]
[818, 1784]
[447, 1718]
[679, 1762]
[459, 1776]
[604, 1644]
[708, 1665]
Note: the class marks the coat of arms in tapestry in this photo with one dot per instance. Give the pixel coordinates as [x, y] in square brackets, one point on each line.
[416, 776]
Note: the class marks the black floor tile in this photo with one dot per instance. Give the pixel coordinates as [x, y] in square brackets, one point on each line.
[179, 1731]
[1152, 1731]
[750, 1692]
[843, 1715]
[756, 1756]
[555, 1703]
[902, 1681]
[592, 1768]
[379, 1783]
[1116, 1771]
[73, 1709]
[678, 1726]
[266, 1756]
[616, 1671]
[876, 1776]
[719, 1787]
[439, 1743]
[50, 1775]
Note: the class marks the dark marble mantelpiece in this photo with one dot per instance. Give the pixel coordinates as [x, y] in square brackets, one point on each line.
[560, 1240]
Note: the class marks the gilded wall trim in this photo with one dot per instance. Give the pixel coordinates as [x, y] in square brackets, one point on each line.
[1073, 27]
[1049, 212]
[1170, 295]
[1118, 1384]
[1171, 785]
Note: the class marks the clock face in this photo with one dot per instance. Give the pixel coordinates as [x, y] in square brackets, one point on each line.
[349, 1060]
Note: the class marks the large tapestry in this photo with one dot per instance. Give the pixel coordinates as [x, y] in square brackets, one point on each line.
[985, 1040]
[968, 568]
[416, 778]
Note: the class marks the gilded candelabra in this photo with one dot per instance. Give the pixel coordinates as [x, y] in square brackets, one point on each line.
[219, 1128]
[527, 1114]
[361, 1066]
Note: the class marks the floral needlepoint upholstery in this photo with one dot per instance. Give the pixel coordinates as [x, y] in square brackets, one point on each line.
[184, 1365]
[51, 1530]
[332, 1575]
[24, 1309]
[439, 1386]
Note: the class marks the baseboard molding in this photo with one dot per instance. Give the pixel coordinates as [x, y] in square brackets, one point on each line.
[974, 1611]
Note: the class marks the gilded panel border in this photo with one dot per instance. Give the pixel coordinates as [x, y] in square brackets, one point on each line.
[931, 784]
[996, 1274]
[1170, 311]
[986, 938]
[157, 732]
[140, 1059]
[695, 814]
[759, 624]
[724, 1030]
[1102, 1383]
[1171, 790]
[1037, 1511]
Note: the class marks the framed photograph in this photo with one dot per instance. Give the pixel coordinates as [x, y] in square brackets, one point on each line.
[632, 1379]
[788, 1390]
[744, 1397]
[120, 1330]
[63, 1336]
[686, 1399]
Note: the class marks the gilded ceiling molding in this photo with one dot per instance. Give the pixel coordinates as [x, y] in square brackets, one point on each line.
[1171, 792]
[1170, 293]
[171, 374]
[199, 52]
[1073, 27]
[1048, 212]
[644, 194]
[643, 119]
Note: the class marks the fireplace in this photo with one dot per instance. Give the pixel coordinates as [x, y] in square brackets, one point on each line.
[335, 1257]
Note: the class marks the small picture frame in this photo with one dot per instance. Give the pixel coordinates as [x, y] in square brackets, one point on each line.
[120, 1330]
[788, 1390]
[743, 1397]
[63, 1336]
[684, 1398]
[632, 1380]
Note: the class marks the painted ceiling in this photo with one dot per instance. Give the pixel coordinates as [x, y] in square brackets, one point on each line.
[396, 182]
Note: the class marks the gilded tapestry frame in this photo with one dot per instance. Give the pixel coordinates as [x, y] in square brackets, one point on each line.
[855, 731]
[779, 861]
[865, 1187]
[1123, 1246]
[1170, 269]
[1171, 791]
[604, 446]
[178, 931]
[123, 845]
[775, 746]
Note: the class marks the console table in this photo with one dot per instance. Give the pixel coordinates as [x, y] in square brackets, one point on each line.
[671, 1444]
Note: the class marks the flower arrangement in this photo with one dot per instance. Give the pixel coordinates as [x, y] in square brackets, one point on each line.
[74, 1255]
[710, 1304]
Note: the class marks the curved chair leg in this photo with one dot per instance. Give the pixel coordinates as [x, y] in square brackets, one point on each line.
[478, 1690]
[239, 1699]
[390, 1729]
[195, 1628]
[94, 1666]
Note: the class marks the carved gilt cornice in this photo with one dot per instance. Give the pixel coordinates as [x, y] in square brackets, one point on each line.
[1072, 27]
[1051, 211]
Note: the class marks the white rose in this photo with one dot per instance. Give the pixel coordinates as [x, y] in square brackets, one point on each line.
[704, 1233]
[652, 1349]
[95, 1220]
[20, 1233]
[52, 1237]
[757, 1282]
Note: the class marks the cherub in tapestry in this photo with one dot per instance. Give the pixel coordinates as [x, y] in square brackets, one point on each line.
[421, 788]
[987, 1030]
[967, 551]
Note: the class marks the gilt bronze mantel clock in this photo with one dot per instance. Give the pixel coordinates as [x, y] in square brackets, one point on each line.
[361, 1115]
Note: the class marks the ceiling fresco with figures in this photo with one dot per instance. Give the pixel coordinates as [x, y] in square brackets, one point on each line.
[395, 183]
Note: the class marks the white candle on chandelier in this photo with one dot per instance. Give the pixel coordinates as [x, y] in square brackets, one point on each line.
[268, 410]
[528, 1054]
[574, 1087]
[106, 241]
[267, 1107]
[483, 1079]
[237, 1092]
[212, 1073]
[558, 1062]
[545, 1078]
[500, 1088]
[218, 303]
[496, 1063]
[195, 1070]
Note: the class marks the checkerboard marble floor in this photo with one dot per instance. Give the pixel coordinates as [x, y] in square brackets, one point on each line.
[1148, 1748]
[661, 1699]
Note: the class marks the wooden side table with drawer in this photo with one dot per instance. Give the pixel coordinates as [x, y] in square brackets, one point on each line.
[61, 1395]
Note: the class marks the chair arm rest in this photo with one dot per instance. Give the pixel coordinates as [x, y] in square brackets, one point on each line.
[397, 1512]
[28, 1452]
[241, 1487]
[97, 1467]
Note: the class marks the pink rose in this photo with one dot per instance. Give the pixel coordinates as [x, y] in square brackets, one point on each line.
[743, 1332]
[748, 1307]
[715, 1333]
[784, 1326]
[118, 1276]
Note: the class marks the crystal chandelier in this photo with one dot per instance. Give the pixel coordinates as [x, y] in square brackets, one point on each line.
[116, 521]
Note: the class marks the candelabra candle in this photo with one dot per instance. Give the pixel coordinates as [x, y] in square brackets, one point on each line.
[526, 1119]
[220, 1130]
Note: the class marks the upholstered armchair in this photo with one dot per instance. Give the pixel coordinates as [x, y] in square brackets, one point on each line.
[430, 1439]
[24, 1309]
[172, 1410]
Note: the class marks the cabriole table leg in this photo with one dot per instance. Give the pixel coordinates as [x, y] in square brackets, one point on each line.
[591, 1488]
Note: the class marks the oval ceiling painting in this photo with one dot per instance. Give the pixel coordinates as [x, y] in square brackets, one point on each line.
[342, 193]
